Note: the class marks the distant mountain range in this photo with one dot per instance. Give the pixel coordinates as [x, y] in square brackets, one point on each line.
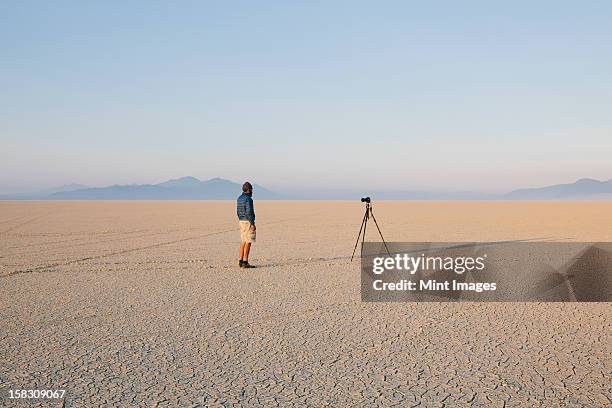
[184, 188]
[583, 188]
[190, 188]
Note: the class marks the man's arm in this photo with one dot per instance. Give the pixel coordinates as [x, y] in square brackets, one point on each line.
[250, 212]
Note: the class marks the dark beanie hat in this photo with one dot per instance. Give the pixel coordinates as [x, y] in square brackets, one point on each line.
[247, 186]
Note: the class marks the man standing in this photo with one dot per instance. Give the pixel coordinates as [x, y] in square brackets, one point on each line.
[246, 217]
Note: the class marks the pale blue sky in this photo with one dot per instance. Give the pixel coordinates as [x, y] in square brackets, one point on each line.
[440, 95]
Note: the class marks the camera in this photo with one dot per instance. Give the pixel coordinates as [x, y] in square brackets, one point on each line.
[365, 199]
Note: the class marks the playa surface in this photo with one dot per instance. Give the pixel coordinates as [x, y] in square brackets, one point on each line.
[143, 303]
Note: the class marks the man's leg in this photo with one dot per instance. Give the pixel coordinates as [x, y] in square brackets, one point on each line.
[247, 248]
[242, 244]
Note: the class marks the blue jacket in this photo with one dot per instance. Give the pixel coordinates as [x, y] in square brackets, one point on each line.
[244, 208]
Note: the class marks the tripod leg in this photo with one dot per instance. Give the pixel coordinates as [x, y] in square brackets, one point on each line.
[381, 235]
[363, 222]
[367, 217]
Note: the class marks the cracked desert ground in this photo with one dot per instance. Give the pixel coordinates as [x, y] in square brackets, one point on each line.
[142, 303]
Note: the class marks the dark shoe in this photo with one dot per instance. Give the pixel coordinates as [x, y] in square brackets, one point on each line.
[246, 264]
[241, 263]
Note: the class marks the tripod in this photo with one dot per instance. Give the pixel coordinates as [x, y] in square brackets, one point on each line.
[364, 225]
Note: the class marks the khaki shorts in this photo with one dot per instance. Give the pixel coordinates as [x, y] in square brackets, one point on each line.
[246, 235]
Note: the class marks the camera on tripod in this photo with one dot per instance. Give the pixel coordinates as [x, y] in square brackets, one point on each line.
[364, 224]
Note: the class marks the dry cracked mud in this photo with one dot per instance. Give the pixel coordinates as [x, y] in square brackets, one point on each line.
[142, 303]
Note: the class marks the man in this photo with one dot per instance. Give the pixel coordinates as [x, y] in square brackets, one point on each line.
[246, 219]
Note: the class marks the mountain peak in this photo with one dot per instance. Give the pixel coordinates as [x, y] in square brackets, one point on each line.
[587, 181]
[187, 181]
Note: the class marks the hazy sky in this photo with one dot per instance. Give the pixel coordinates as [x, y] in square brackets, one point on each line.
[454, 95]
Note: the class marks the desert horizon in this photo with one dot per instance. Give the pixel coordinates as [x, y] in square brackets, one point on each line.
[217, 188]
